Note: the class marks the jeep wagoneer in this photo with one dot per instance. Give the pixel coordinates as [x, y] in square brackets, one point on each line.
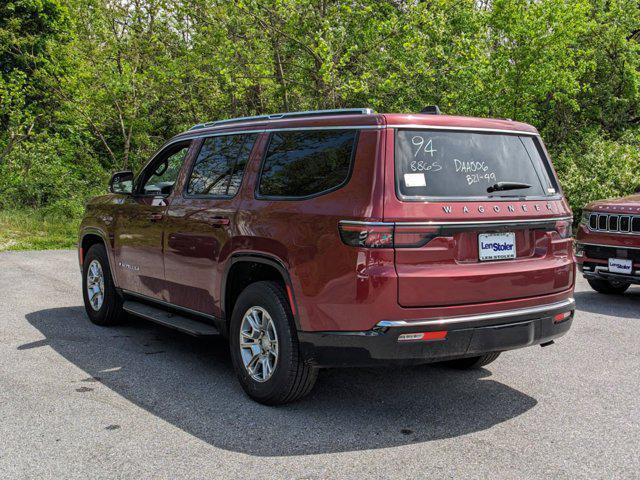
[338, 238]
[608, 244]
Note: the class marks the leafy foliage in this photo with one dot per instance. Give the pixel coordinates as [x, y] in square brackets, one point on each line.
[92, 86]
[597, 167]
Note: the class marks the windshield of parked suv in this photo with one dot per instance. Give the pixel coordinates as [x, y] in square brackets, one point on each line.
[436, 163]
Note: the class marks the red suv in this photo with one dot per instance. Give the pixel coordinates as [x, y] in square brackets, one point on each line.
[608, 244]
[335, 238]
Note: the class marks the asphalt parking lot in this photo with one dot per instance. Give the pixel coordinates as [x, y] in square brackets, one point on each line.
[142, 401]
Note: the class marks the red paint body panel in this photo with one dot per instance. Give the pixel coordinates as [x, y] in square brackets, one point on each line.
[303, 235]
[337, 287]
[584, 235]
[451, 121]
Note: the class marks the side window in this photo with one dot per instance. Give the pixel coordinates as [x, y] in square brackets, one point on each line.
[220, 165]
[161, 179]
[304, 163]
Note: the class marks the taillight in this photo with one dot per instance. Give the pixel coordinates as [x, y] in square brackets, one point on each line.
[385, 235]
[413, 236]
[367, 234]
[563, 227]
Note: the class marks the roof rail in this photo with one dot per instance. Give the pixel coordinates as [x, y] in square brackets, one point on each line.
[277, 116]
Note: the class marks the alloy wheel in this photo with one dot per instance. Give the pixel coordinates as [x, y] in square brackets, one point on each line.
[258, 344]
[95, 285]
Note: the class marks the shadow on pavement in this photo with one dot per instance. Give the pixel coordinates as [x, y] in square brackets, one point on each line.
[626, 305]
[189, 382]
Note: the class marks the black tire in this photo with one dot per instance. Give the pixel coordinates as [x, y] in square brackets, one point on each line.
[607, 287]
[471, 363]
[110, 312]
[291, 379]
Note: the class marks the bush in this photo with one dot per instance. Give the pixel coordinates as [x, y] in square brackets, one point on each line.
[50, 172]
[595, 167]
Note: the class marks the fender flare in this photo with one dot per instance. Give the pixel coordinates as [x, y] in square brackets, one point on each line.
[266, 259]
[107, 245]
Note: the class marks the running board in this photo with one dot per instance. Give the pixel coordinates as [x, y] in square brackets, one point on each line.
[170, 319]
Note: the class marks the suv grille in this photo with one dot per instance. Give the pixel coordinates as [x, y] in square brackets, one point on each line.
[612, 222]
[603, 253]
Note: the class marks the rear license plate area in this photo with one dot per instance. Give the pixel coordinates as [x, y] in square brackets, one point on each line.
[496, 246]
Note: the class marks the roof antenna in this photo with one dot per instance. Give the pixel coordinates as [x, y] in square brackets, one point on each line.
[431, 110]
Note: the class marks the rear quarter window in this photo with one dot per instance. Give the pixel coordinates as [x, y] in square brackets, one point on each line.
[301, 164]
[463, 164]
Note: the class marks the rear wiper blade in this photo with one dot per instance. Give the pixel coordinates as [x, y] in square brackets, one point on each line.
[501, 186]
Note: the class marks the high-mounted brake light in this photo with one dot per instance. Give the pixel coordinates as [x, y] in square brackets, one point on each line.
[385, 235]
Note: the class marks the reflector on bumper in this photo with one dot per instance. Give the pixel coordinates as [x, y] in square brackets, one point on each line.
[561, 317]
[423, 336]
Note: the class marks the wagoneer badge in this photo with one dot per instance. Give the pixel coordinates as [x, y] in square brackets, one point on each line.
[499, 208]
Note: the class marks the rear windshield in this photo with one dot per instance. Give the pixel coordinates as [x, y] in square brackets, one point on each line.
[434, 163]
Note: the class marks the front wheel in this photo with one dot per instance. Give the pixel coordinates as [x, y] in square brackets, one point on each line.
[608, 287]
[101, 300]
[264, 347]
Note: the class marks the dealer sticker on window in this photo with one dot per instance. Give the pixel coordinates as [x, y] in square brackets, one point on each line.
[415, 180]
[497, 246]
[619, 265]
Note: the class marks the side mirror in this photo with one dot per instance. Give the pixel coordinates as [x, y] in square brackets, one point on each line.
[121, 182]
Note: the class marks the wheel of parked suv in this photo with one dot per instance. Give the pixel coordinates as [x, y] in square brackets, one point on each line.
[608, 287]
[101, 301]
[264, 346]
[473, 362]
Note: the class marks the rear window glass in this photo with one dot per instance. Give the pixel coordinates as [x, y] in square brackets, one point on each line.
[304, 163]
[433, 163]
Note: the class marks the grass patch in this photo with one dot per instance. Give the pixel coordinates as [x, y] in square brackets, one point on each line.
[34, 230]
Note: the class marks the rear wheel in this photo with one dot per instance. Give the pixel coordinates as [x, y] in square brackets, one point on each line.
[473, 362]
[608, 287]
[101, 301]
[264, 346]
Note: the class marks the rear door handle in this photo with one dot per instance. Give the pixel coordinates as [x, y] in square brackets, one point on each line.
[155, 217]
[219, 221]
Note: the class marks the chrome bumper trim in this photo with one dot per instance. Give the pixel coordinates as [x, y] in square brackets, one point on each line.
[569, 303]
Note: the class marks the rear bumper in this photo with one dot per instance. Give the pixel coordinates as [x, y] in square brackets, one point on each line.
[465, 336]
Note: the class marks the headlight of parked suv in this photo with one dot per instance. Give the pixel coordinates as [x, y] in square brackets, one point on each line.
[584, 220]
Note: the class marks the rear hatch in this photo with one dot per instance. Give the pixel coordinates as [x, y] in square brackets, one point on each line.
[478, 217]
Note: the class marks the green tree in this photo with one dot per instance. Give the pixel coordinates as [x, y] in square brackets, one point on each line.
[29, 33]
[91, 86]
